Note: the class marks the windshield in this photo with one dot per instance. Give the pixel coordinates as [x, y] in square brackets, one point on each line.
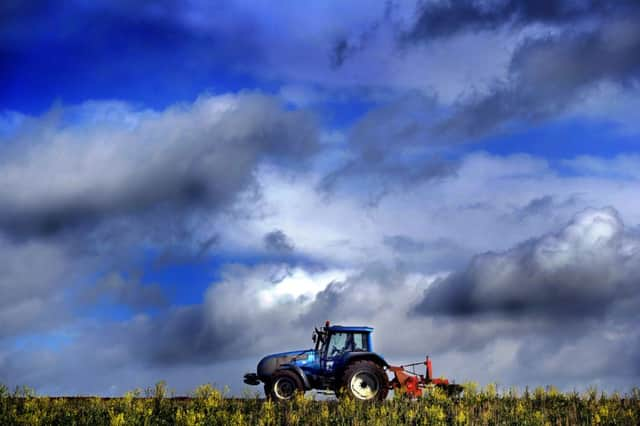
[347, 342]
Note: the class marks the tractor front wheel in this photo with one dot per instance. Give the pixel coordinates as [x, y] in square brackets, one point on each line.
[366, 381]
[284, 385]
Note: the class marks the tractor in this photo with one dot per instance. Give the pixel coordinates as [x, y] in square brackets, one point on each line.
[342, 362]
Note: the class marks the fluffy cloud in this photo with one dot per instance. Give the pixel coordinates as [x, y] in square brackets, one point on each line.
[394, 144]
[540, 61]
[581, 270]
[90, 192]
[547, 75]
[491, 203]
[70, 168]
[590, 71]
[249, 311]
[623, 166]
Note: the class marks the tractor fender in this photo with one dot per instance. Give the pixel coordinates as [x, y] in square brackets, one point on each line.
[371, 356]
[300, 372]
[360, 356]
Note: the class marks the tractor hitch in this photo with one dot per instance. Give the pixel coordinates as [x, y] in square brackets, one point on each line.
[252, 379]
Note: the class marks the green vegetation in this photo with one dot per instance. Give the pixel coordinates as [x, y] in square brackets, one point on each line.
[210, 407]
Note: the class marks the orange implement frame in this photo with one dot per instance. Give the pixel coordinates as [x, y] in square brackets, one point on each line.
[413, 384]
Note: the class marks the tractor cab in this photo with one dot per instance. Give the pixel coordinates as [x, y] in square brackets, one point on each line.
[333, 343]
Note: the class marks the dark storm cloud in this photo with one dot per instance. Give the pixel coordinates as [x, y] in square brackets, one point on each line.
[441, 19]
[445, 18]
[185, 335]
[583, 270]
[278, 241]
[237, 318]
[394, 144]
[548, 75]
[585, 44]
[61, 175]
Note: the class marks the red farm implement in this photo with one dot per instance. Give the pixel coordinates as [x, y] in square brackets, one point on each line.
[412, 384]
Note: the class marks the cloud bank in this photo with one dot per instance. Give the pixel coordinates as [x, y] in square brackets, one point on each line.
[61, 173]
[582, 270]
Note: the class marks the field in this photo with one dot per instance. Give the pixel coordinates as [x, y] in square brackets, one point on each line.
[209, 406]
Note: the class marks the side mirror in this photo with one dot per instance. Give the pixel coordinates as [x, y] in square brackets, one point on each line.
[313, 337]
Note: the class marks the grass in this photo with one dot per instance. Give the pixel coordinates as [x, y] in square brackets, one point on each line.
[209, 406]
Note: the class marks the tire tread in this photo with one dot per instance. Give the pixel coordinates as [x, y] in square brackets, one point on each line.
[370, 366]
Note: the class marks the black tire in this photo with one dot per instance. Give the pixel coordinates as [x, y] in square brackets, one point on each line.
[284, 385]
[365, 381]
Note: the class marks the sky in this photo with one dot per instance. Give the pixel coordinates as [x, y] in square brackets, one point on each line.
[186, 186]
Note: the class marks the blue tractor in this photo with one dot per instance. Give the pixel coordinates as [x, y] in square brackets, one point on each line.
[342, 361]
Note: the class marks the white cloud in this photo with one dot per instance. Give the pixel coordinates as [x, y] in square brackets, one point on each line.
[623, 166]
[610, 103]
[106, 159]
[486, 205]
[581, 270]
[295, 285]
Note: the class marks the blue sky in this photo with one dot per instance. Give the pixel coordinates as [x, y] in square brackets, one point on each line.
[186, 186]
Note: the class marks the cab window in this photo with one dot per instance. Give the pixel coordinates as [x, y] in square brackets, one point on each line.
[361, 342]
[347, 342]
[337, 344]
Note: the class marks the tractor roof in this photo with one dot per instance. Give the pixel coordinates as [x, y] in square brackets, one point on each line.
[342, 328]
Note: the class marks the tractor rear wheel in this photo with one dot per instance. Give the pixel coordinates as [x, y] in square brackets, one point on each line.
[366, 381]
[284, 385]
